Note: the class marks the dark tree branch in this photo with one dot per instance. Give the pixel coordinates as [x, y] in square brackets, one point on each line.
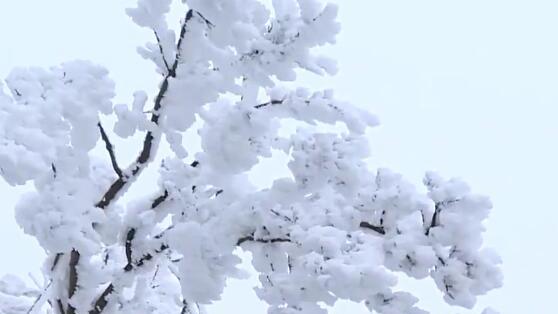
[185, 308]
[378, 229]
[147, 257]
[110, 150]
[251, 238]
[206, 21]
[438, 207]
[162, 51]
[132, 233]
[434, 222]
[72, 279]
[102, 301]
[60, 306]
[159, 200]
[128, 247]
[53, 168]
[271, 102]
[56, 260]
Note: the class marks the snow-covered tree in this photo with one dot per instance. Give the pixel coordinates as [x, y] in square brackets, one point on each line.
[330, 229]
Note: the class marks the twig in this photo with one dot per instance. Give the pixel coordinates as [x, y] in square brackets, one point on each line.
[378, 229]
[438, 207]
[161, 50]
[251, 238]
[128, 247]
[56, 260]
[271, 102]
[39, 298]
[110, 150]
[159, 200]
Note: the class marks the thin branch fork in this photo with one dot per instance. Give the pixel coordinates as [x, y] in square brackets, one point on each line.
[102, 300]
[131, 234]
[438, 207]
[160, 44]
[149, 141]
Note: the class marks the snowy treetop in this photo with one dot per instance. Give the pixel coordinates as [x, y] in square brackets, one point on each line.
[330, 229]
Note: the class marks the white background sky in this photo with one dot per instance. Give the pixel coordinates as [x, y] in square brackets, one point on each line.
[467, 88]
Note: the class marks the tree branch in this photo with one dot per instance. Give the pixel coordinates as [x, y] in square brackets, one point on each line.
[251, 238]
[56, 260]
[132, 232]
[102, 301]
[434, 221]
[159, 200]
[60, 306]
[110, 150]
[128, 247]
[271, 102]
[147, 257]
[378, 229]
[149, 140]
[438, 207]
[161, 50]
[73, 279]
[142, 160]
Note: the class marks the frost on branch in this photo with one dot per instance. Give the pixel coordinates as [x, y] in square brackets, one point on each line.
[48, 111]
[330, 229]
[15, 296]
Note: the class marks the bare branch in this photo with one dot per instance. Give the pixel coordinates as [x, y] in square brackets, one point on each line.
[159, 200]
[128, 247]
[102, 301]
[110, 150]
[60, 306]
[378, 229]
[434, 222]
[271, 102]
[56, 260]
[73, 279]
[438, 207]
[251, 238]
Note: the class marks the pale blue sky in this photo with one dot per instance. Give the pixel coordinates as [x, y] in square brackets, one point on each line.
[467, 88]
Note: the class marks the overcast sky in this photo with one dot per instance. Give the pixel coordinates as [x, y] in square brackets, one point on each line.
[467, 88]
